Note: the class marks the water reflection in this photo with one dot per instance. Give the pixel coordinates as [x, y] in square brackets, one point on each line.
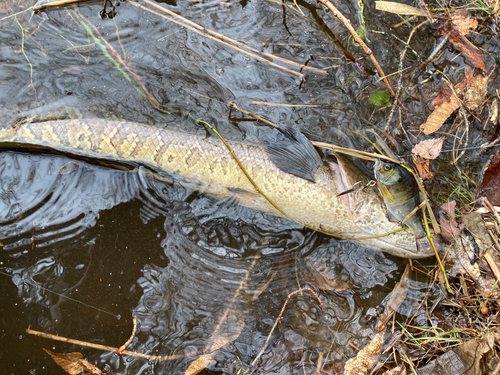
[177, 261]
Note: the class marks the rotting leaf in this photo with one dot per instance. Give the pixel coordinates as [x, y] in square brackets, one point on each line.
[380, 98]
[460, 42]
[428, 149]
[398, 8]
[324, 278]
[443, 96]
[476, 92]
[74, 364]
[423, 167]
[450, 230]
[490, 186]
[462, 23]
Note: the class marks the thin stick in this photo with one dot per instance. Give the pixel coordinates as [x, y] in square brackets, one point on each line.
[285, 105]
[493, 266]
[358, 40]
[236, 43]
[278, 320]
[109, 348]
[488, 205]
[127, 343]
[57, 3]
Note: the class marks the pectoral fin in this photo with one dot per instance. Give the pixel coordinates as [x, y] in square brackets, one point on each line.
[291, 151]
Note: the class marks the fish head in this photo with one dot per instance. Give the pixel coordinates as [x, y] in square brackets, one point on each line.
[368, 212]
[388, 173]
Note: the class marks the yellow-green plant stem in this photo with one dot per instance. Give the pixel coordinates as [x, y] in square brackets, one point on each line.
[24, 53]
[448, 288]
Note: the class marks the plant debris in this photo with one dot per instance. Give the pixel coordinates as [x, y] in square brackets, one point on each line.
[74, 364]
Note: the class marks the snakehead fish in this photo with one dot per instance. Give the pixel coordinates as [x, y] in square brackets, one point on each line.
[401, 196]
[284, 165]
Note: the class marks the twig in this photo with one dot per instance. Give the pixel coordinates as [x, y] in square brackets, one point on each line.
[127, 343]
[358, 40]
[278, 320]
[493, 266]
[285, 105]
[109, 348]
[488, 205]
[57, 3]
[26, 57]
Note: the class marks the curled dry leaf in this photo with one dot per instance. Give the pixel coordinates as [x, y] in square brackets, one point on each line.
[428, 149]
[74, 364]
[443, 96]
[398, 8]
[423, 167]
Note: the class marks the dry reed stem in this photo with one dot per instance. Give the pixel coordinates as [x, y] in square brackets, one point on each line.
[57, 4]
[109, 348]
[229, 42]
[493, 266]
[285, 105]
[358, 40]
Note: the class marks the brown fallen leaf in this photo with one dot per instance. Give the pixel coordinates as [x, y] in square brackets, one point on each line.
[423, 167]
[443, 96]
[325, 278]
[462, 23]
[450, 230]
[490, 186]
[74, 364]
[476, 92]
[440, 114]
[428, 149]
[398, 8]
[460, 42]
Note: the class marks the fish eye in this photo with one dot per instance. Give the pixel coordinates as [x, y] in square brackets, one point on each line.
[387, 167]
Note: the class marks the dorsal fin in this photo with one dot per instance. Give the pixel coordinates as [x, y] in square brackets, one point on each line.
[291, 151]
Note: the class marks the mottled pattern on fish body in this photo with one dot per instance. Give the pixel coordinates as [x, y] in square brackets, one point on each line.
[205, 164]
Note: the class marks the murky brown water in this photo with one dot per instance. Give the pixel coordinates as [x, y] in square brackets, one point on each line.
[86, 247]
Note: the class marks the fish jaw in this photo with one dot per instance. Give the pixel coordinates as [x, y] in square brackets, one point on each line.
[369, 214]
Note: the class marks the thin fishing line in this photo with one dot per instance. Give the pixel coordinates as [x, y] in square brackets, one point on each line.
[62, 295]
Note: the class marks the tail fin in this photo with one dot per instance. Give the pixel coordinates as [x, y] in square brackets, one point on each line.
[423, 245]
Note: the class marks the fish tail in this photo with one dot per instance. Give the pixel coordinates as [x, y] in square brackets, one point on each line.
[423, 245]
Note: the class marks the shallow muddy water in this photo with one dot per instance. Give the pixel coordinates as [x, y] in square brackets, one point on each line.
[86, 247]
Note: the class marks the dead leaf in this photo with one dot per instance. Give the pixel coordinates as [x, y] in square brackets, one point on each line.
[462, 23]
[476, 92]
[74, 364]
[470, 358]
[440, 115]
[325, 278]
[490, 186]
[460, 42]
[398, 8]
[450, 230]
[400, 370]
[443, 96]
[428, 149]
[423, 167]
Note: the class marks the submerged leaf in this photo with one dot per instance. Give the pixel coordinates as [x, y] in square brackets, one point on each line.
[380, 98]
[74, 364]
[450, 230]
[490, 187]
[423, 167]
